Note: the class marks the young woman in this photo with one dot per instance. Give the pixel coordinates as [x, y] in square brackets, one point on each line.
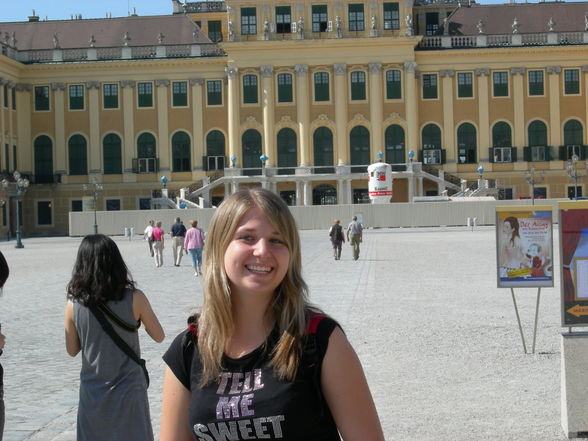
[260, 363]
[113, 388]
[157, 235]
[512, 255]
[193, 242]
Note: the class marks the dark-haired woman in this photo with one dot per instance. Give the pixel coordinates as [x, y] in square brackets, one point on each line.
[4, 272]
[113, 389]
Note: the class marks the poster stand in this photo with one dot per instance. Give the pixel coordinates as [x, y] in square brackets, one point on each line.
[514, 301]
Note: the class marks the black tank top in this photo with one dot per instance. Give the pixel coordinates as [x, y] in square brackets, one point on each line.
[249, 402]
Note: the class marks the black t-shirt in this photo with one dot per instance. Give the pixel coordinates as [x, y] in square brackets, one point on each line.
[250, 402]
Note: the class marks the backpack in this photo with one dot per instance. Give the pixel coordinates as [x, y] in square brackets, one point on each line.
[336, 233]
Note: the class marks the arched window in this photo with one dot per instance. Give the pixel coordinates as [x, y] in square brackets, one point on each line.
[324, 194]
[394, 141]
[537, 133]
[322, 140]
[215, 151]
[501, 135]
[43, 160]
[146, 154]
[573, 133]
[181, 152]
[466, 144]
[251, 145]
[111, 150]
[359, 147]
[431, 137]
[287, 152]
[78, 155]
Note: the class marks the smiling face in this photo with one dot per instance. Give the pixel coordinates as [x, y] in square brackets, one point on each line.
[257, 258]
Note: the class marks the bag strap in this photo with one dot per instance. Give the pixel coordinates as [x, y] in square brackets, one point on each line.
[311, 354]
[117, 339]
[119, 321]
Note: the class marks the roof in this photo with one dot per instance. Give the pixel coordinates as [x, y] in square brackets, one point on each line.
[531, 17]
[177, 29]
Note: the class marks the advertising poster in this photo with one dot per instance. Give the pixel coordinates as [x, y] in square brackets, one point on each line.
[524, 246]
[573, 227]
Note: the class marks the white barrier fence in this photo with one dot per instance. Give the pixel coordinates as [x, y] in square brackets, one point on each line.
[316, 217]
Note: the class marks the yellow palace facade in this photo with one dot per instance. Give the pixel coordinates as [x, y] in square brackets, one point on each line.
[297, 97]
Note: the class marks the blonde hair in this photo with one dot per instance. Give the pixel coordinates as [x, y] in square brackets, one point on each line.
[289, 305]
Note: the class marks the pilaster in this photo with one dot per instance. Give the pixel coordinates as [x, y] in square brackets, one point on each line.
[447, 77]
[341, 150]
[268, 115]
[163, 149]
[93, 88]
[376, 108]
[197, 125]
[554, 110]
[61, 151]
[128, 145]
[233, 112]
[482, 75]
[411, 103]
[302, 112]
[24, 124]
[518, 100]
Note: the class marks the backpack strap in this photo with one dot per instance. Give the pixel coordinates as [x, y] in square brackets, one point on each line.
[310, 352]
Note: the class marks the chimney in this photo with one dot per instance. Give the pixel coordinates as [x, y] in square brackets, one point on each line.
[34, 17]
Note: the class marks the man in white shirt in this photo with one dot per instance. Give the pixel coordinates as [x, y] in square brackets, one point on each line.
[148, 236]
[354, 235]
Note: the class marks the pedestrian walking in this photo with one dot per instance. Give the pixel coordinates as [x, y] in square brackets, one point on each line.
[259, 360]
[178, 233]
[148, 236]
[354, 236]
[157, 235]
[4, 272]
[103, 313]
[337, 238]
[194, 243]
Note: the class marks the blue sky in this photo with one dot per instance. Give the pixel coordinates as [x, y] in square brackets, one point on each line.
[63, 9]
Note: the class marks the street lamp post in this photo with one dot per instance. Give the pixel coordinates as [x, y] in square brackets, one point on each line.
[532, 180]
[96, 187]
[572, 169]
[20, 185]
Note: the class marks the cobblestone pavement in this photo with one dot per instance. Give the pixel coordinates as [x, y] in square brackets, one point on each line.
[438, 340]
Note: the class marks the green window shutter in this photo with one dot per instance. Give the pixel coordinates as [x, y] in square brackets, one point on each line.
[393, 85]
[319, 18]
[248, 21]
[111, 149]
[358, 86]
[76, 97]
[180, 93]
[250, 89]
[145, 94]
[513, 154]
[110, 92]
[214, 93]
[391, 17]
[41, 98]
[321, 86]
[283, 20]
[356, 17]
[430, 86]
[78, 160]
[491, 154]
[285, 88]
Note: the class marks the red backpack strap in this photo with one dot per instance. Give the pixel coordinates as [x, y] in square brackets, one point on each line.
[313, 323]
[193, 325]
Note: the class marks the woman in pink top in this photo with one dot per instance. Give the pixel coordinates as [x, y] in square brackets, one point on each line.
[194, 242]
[157, 235]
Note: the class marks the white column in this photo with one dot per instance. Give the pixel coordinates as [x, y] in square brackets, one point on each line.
[341, 114]
[127, 87]
[233, 113]
[302, 112]
[411, 99]
[163, 148]
[267, 101]
[447, 76]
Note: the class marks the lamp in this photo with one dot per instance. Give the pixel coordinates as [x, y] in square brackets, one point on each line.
[20, 185]
[532, 180]
[95, 187]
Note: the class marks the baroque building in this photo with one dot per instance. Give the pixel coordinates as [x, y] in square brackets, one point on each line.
[296, 97]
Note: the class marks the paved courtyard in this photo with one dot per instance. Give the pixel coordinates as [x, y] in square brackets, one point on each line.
[438, 341]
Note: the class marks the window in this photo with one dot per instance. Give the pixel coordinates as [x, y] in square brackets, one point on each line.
[394, 142]
[430, 86]
[500, 84]
[464, 85]
[573, 132]
[391, 17]
[78, 155]
[572, 81]
[536, 84]
[180, 94]
[505, 193]
[112, 204]
[214, 93]
[77, 205]
[110, 92]
[432, 152]
[393, 85]
[285, 88]
[574, 191]
[248, 21]
[359, 146]
[319, 18]
[44, 214]
[357, 85]
[181, 152]
[41, 98]
[356, 17]
[322, 139]
[215, 151]
[214, 31]
[43, 147]
[466, 144]
[76, 97]
[287, 152]
[144, 203]
[145, 94]
[146, 154]
[251, 142]
[111, 150]
[502, 154]
[5, 95]
[432, 157]
[537, 133]
[321, 86]
[13, 90]
[432, 23]
[537, 153]
[283, 20]
[249, 89]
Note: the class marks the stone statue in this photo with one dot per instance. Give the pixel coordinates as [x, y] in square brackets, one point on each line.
[266, 30]
[300, 27]
[550, 24]
[92, 41]
[196, 33]
[13, 39]
[160, 38]
[515, 26]
[338, 26]
[6, 38]
[480, 26]
[231, 31]
[408, 21]
[445, 26]
[586, 22]
[373, 23]
[126, 38]
[55, 41]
